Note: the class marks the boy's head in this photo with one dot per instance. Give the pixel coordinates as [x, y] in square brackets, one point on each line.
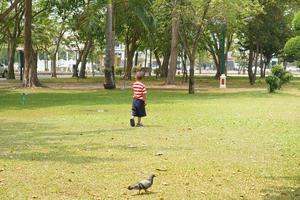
[139, 75]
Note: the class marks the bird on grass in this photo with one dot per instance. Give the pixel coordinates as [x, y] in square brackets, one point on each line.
[142, 185]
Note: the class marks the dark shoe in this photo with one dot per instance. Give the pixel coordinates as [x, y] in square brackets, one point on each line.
[132, 122]
[139, 125]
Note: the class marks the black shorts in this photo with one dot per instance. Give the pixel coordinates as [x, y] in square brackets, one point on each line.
[138, 108]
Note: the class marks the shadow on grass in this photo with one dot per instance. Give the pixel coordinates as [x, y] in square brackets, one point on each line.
[144, 194]
[25, 142]
[283, 193]
[13, 100]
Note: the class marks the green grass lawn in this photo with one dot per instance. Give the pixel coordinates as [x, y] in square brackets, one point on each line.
[216, 144]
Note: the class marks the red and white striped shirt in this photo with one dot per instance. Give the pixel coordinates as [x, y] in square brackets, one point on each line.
[139, 91]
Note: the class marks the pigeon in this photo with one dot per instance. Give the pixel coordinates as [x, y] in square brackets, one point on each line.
[142, 185]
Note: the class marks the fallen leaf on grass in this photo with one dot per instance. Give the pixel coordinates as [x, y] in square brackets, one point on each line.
[203, 192]
[165, 184]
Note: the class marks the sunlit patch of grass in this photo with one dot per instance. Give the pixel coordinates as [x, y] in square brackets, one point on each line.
[216, 144]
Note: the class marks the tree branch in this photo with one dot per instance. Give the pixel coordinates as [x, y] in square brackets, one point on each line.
[8, 10]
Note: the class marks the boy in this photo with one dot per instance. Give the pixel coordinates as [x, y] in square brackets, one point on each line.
[139, 100]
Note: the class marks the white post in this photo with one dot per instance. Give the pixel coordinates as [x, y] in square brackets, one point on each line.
[223, 81]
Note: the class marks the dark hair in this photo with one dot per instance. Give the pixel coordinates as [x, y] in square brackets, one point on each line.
[139, 75]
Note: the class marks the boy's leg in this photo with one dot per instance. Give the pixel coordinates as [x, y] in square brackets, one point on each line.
[139, 120]
[132, 122]
[133, 113]
[139, 124]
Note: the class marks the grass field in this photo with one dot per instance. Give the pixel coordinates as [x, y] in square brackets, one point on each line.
[240, 143]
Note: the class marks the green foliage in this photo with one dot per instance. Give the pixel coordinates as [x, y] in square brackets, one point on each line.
[277, 70]
[292, 49]
[285, 78]
[119, 71]
[278, 78]
[296, 23]
[273, 82]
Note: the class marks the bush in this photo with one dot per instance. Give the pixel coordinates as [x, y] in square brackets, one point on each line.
[277, 70]
[278, 78]
[119, 71]
[285, 78]
[273, 82]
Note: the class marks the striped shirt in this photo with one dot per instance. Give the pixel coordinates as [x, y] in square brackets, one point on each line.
[139, 91]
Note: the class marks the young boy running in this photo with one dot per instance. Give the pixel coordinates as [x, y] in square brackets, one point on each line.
[139, 100]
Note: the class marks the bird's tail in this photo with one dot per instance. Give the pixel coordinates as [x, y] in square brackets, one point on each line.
[130, 187]
[133, 187]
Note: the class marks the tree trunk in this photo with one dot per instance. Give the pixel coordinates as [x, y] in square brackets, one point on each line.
[150, 58]
[112, 50]
[164, 67]
[130, 55]
[78, 60]
[27, 81]
[33, 74]
[46, 61]
[11, 58]
[250, 63]
[174, 48]
[268, 60]
[157, 59]
[85, 54]
[261, 65]
[136, 59]
[191, 78]
[216, 59]
[108, 72]
[53, 66]
[185, 74]
[256, 61]
[146, 57]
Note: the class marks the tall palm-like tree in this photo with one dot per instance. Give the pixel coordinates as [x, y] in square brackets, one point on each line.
[109, 57]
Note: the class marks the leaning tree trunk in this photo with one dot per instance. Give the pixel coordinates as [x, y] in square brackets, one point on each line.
[75, 67]
[174, 49]
[157, 59]
[185, 74]
[85, 54]
[108, 71]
